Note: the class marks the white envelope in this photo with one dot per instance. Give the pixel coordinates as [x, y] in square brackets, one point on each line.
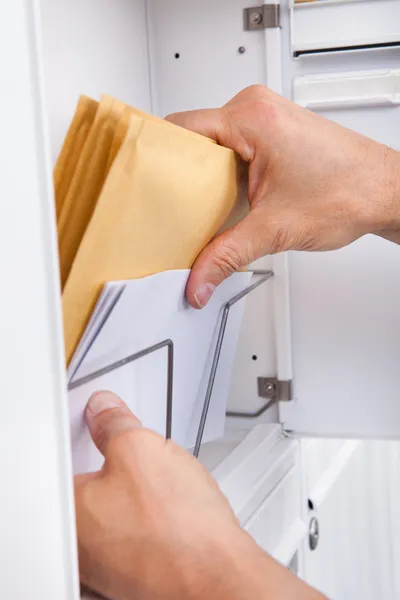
[133, 315]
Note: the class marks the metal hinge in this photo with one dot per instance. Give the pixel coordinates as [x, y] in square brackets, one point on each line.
[262, 17]
[274, 389]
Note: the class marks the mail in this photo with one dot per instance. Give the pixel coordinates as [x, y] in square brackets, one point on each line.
[143, 196]
[137, 199]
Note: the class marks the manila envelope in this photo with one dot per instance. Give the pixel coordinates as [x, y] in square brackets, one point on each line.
[93, 140]
[165, 193]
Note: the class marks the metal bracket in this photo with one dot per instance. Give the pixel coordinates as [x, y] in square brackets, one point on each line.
[272, 388]
[265, 16]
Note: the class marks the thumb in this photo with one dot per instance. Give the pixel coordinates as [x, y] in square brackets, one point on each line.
[108, 416]
[229, 252]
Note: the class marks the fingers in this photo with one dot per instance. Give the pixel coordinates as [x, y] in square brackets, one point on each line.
[218, 124]
[107, 416]
[208, 122]
[229, 252]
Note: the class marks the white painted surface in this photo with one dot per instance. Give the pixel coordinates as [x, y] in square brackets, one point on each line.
[254, 468]
[276, 525]
[358, 548]
[318, 455]
[280, 265]
[208, 72]
[330, 476]
[37, 542]
[206, 35]
[344, 304]
[289, 545]
[258, 472]
[321, 25]
[93, 47]
[272, 53]
[354, 89]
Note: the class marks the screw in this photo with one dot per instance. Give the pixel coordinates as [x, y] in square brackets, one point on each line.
[256, 18]
[269, 388]
[241, 49]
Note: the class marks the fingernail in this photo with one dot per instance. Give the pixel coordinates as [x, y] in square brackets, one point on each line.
[204, 293]
[100, 401]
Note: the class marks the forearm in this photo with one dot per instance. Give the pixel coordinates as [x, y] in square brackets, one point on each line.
[390, 190]
[242, 571]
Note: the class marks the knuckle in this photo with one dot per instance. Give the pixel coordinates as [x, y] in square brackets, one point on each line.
[265, 112]
[280, 240]
[226, 265]
[171, 117]
[133, 442]
[230, 258]
[262, 105]
[257, 90]
[310, 240]
[122, 442]
[304, 237]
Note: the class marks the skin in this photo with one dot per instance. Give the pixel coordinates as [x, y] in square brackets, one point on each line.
[313, 185]
[153, 524]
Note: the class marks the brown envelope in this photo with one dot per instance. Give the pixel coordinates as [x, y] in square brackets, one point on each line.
[166, 194]
[86, 183]
[73, 144]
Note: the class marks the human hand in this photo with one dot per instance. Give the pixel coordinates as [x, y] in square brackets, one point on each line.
[313, 185]
[153, 523]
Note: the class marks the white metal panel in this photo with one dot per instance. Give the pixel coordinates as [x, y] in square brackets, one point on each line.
[214, 453]
[259, 473]
[38, 554]
[287, 551]
[328, 479]
[254, 468]
[344, 23]
[93, 47]
[196, 63]
[356, 554]
[276, 524]
[345, 341]
[317, 455]
[344, 304]
[354, 89]
[195, 58]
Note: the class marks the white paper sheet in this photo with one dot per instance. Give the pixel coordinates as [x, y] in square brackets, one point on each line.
[134, 315]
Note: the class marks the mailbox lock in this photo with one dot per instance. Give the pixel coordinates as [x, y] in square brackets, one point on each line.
[313, 533]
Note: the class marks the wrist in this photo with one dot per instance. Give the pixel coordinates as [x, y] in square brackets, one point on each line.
[236, 568]
[387, 223]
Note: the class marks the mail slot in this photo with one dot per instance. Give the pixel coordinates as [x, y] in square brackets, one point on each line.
[326, 26]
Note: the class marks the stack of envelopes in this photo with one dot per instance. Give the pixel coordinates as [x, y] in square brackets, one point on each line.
[135, 195]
